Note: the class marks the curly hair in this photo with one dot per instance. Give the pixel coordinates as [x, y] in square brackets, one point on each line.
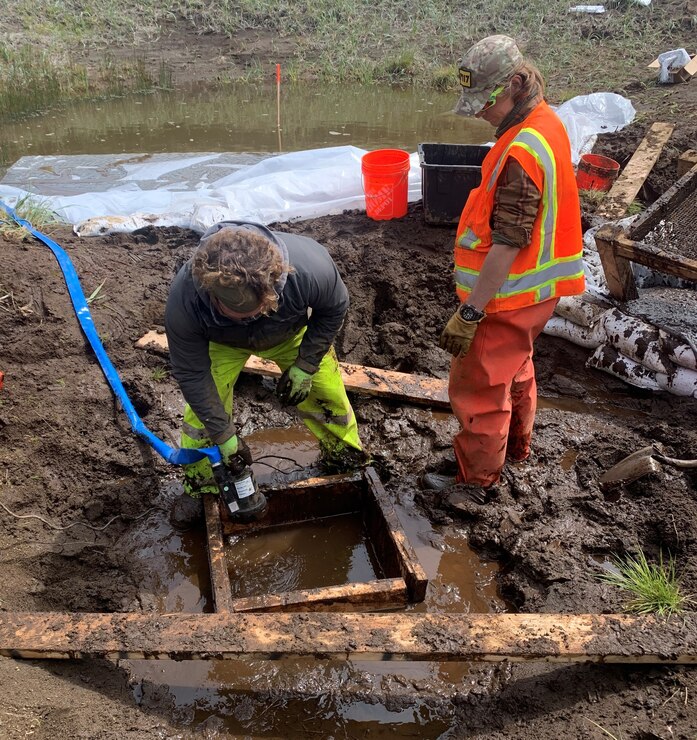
[239, 257]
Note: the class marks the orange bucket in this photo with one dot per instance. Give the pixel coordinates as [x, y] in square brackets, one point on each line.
[596, 172]
[385, 183]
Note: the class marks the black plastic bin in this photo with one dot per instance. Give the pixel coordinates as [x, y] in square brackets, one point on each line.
[448, 173]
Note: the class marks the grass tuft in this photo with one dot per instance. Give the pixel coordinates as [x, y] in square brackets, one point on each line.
[655, 587]
[30, 208]
[159, 374]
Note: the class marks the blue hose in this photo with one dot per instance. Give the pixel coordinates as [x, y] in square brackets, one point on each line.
[179, 456]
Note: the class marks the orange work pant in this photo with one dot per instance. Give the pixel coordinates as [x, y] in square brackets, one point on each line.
[493, 393]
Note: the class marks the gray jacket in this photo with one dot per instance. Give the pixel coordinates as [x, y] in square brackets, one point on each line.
[191, 322]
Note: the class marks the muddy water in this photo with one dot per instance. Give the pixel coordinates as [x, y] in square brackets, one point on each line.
[310, 555]
[244, 119]
[303, 697]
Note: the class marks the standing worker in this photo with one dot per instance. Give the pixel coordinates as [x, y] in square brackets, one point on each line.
[518, 249]
[251, 291]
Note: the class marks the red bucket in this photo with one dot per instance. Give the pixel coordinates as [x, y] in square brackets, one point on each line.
[596, 172]
[385, 183]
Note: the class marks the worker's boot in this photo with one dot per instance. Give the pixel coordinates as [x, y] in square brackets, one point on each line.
[474, 493]
[437, 482]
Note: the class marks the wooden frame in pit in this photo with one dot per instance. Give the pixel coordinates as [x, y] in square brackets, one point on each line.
[405, 580]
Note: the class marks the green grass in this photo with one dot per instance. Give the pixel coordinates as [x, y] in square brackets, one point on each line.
[654, 588]
[159, 374]
[635, 207]
[30, 208]
[404, 41]
[96, 294]
[34, 78]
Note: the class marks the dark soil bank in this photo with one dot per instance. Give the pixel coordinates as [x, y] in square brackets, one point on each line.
[66, 453]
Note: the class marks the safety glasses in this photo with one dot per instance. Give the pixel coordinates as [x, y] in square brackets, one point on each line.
[492, 98]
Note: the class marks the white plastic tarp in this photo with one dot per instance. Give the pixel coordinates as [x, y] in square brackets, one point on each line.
[586, 116]
[298, 185]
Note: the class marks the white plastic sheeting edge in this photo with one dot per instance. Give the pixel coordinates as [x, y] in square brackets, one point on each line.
[294, 186]
[298, 185]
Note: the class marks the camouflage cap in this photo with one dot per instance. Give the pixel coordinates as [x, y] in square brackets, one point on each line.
[488, 63]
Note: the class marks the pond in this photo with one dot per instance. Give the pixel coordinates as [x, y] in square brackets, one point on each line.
[244, 118]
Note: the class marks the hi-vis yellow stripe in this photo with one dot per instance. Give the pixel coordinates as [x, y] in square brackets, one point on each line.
[549, 269]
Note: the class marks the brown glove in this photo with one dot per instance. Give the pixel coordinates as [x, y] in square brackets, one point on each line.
[458, 334]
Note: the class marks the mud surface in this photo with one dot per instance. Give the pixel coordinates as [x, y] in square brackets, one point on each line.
[66, 454]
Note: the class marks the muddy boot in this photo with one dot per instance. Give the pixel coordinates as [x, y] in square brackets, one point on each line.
[186, 512]
[465, 496]
[437, 482]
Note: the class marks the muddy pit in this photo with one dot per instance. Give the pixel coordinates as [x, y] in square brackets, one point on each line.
[66, 454]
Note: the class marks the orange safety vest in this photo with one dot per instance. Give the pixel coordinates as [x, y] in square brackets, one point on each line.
[551, 265]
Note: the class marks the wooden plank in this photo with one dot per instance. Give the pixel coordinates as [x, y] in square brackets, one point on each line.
[217, 561]
[618, 271]
[656, 258]
[390, 536]
[386, 593]
[628, 184]
[371, 381]
[321, 481]
[607, 638]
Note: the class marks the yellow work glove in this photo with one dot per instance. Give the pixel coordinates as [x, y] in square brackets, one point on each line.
[235, 447]
[459, 332]
[294, 386]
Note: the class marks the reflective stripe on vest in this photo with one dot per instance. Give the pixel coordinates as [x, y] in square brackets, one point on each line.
[540, 280]
[469, 240]
[531, 141]
[549, 270]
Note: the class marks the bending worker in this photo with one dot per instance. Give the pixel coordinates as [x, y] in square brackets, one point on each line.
[518, 249]
[251, 291]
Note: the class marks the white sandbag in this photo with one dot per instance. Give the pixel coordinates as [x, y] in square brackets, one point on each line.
[100, 225]
[583, 336]
[682, 382]
[637, 340]
[578, 309]
[678, 350]
[609, 360]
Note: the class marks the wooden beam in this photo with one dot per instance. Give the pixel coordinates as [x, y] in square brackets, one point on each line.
[386, 534]
[618, 271]
[374, 381]
[607, 638]
[371, 381]
[217, 560]
[386, 593]
[657, 259]
[629, 183]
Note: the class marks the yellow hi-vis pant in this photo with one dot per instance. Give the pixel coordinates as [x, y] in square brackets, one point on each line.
[326, 412]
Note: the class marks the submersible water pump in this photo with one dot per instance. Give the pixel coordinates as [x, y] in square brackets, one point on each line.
[242, 497]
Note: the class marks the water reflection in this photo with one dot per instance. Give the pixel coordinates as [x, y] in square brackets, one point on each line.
[238, 118]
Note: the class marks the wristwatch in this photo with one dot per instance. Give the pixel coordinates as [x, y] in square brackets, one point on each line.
[470, 313]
